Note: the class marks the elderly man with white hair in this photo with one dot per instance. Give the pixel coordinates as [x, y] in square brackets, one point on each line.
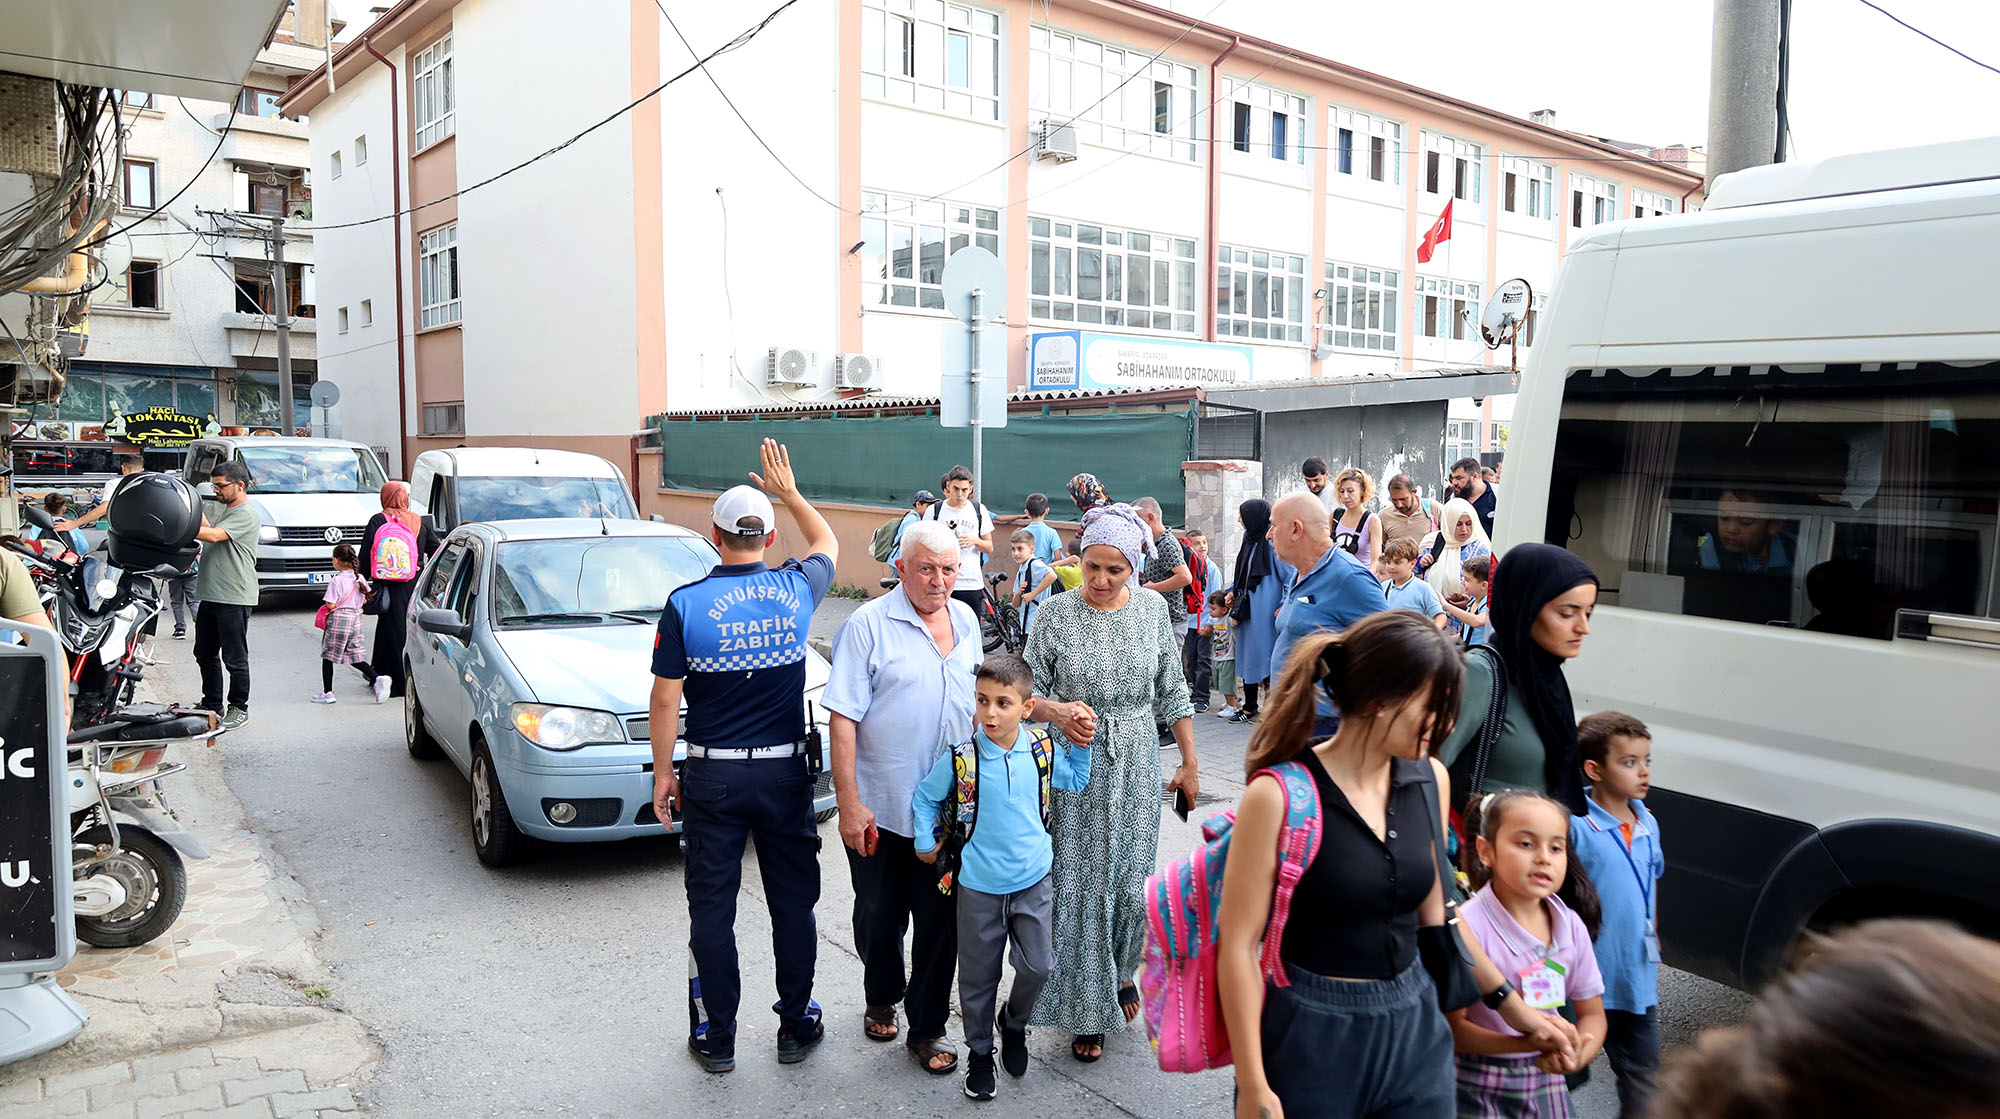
[901, 690]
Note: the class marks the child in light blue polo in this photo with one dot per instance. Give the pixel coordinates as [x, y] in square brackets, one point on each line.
[1402, 588]
[1618, 843]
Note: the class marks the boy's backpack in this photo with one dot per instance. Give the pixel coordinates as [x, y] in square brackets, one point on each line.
[395, 553]
[1195, 594]
[1177, 983]
[959, 814]
[884, 541]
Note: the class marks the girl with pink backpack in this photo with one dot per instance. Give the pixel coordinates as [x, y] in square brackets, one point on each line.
[1325, 972]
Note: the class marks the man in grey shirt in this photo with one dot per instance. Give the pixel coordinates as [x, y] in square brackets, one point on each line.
[900, 692]
[227, 590]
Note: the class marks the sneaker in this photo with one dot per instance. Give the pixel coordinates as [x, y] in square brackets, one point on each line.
[1226, 713]
[381, 688]
[796, 1041]
[235, 717]
[1236, 714]
[322, 697]
[1200, 707]
[180, 633]
[1013, 1050]
[979, 1078]
[712, 1058]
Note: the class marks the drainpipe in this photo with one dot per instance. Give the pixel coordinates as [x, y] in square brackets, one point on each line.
[1214, 182]
[396, 232]
[1684, 196]
[76, 273]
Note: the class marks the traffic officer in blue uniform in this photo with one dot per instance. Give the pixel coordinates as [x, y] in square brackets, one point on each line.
[734, 645]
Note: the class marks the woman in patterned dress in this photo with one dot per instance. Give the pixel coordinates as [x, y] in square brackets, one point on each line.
[1107, 669]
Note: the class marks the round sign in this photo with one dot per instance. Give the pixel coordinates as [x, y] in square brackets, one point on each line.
[325, 394]
[974, 269]
[1505, 313]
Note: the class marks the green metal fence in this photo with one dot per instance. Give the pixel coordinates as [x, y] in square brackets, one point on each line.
[882, 460]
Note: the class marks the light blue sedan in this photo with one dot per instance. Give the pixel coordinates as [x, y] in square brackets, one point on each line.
[529, 661]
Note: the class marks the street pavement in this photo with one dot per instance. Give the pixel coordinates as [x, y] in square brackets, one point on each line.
[558, 987]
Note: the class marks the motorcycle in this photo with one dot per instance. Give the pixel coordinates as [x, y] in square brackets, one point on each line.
[126, 843]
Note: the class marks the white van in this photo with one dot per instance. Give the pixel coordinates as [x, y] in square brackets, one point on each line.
[310, 493]
[1773, 430]
[465, 484]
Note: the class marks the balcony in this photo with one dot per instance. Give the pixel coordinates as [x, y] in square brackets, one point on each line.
[257, 336]
[269, 140]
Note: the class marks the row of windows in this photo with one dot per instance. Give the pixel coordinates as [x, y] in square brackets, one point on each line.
[364, 316]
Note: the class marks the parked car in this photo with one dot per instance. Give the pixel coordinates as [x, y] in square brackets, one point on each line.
[310, 493]
[530, 666]
[466, 484]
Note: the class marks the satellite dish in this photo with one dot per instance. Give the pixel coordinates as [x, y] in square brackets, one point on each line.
[1505, 313]
[325, 394]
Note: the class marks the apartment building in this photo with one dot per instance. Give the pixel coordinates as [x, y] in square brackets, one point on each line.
[1172, 202]
[185, 319]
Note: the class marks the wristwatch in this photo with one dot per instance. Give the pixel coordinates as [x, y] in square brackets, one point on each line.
[1498, 995]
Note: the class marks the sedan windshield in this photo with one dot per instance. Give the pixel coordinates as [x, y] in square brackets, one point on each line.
[507, 499]
[600, 580]
[304, 469]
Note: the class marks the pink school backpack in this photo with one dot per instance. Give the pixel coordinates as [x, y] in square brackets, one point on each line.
[1177, 981]
[395, 557]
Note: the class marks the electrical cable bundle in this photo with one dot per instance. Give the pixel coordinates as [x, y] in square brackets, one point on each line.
[37, 236]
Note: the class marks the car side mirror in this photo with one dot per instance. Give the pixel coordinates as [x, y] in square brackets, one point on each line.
[444, 623]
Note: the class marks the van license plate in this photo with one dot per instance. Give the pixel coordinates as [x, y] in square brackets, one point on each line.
[320, 577]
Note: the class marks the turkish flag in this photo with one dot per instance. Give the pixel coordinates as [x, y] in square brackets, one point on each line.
[1438, 235]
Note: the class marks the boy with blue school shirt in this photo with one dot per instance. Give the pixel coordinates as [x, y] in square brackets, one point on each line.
[1048, 545]
[1402, 588]
[1475, 620]
[1002, 880]
[1619, 845]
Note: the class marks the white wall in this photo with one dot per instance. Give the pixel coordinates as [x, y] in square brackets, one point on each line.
[359, 263]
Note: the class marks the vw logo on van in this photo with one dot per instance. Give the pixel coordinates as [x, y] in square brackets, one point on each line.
[333, 535]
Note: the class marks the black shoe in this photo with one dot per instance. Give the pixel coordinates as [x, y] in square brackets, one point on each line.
[979, 1078]
[180, 633]
[1013, 1050]
[796, 1041]
[713, 1058]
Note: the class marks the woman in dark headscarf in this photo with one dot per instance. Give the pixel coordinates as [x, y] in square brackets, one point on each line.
[1260, 578]
[1088, 493]
[391, 625]
[1541, 602]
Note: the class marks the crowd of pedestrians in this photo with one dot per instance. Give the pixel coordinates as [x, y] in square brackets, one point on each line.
[1010, 807]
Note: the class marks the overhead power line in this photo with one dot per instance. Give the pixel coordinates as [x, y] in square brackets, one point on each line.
[1933, 38]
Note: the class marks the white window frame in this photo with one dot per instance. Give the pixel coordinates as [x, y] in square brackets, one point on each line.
[159, 286]
[1592, 201]
[433, 96]
[437, 271]
[367, 312]
[909, 49]
[1461, 167]
[334, 166]
[1112, 94]
[1266, 105]
[1531, 325]
[442, 417]
[1458, 307]
[340, 321]
[1373, 293]
[1534, 188]
[360, 150]
[1461, 439]
[1279, 270]
[1058, 249]
[889, 220]
[152, 170]
[1652, 204]
[1358, 138]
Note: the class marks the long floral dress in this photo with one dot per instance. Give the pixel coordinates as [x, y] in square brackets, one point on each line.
[1126, 665]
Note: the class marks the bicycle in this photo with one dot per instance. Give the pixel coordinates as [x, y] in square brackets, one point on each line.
[999, 622]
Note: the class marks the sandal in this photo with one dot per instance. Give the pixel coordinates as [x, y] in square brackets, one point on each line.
[876, 1017]
[1128, 1001]
[1087, 1041]
[929, 1050]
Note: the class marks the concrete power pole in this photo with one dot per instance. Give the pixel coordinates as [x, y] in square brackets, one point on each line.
[282, 319]
[1743, 86]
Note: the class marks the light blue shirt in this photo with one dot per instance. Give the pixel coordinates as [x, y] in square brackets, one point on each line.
[1025, 578]
[1413, 594]
[1627, 881]
[1335, 593]
[1010, 849]
[1476, 635]
[1048, 545]
[907, 700]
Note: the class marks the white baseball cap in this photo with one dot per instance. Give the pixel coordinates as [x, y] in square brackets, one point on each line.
[743, 509]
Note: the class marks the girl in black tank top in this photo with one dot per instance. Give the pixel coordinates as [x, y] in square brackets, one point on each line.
[1358, 999]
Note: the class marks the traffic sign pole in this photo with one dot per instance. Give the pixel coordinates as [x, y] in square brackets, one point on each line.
[976, 324]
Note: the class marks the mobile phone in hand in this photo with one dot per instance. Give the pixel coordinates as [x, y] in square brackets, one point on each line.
[1182, 805]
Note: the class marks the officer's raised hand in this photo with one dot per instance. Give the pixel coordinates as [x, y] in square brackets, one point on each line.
[777, 479]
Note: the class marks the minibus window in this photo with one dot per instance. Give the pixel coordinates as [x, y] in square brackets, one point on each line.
[1820, 497]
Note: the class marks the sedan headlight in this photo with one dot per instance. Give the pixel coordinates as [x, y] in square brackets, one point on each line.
[565, 728]
[267, 534]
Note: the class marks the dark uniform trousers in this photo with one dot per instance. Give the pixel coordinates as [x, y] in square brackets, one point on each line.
[894, 889]
[723, 803]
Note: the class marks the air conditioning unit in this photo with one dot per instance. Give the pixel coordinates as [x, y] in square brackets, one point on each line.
[857, 371]
[1055, 141]
[791, 367]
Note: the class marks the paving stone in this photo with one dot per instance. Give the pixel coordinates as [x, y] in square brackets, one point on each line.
[148, 1087]
[115, 1111]
[208, 1096]
[202, 1057]
[252, 1109]
[64, 1083]
[235, 1092]
[285, 1105]
[27, 1091]
[224, 1068]
[70, 1103]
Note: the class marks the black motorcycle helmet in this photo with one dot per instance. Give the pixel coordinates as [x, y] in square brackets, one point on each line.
[154, 518]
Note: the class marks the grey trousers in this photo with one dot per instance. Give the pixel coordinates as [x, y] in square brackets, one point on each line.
[987, 925]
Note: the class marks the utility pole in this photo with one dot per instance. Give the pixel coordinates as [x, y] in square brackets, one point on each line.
[1743, 85]
[287, 422]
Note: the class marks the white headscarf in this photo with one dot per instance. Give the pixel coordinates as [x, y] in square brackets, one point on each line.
[1446, 575]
